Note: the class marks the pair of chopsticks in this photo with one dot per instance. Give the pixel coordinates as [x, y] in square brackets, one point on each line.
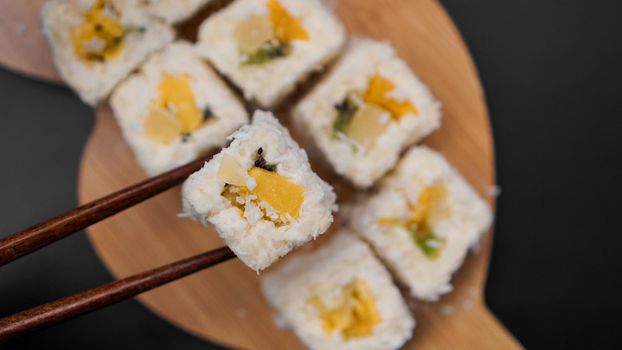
[38, 236]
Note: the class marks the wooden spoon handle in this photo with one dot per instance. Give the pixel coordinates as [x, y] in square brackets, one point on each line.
[108, 294]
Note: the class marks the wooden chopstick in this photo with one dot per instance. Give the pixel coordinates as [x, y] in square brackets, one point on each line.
[108, 294]
[40, 235]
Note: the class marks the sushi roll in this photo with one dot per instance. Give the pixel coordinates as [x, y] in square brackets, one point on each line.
[369, 108]
[261, 194]
[267, 46]
[174, 11]
[97, 43]
[422, 221]
[340, 297]
[174, 109]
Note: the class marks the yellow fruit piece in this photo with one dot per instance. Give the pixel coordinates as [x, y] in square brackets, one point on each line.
[162, 126]
[176, 95]
[231, 172]
[377, 92]
[427, 207]
[286, 26]
[253, 33]
[284, 197]
[355, 315]
[99, 36]
[389, 221]
[368, 122]
[232, 193]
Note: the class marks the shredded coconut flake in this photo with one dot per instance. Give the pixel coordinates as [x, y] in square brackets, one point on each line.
[241, 313]
[468, 305]
[384, 118]
[398, 95]
[251, 184]
[494, 191]
[447, 310]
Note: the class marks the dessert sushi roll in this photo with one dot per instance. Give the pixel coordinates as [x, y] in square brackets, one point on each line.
[422, 221]
[260, 194]
[97, 43]
[174, 109]
[367, 111]
[340, 297]
[266, 47]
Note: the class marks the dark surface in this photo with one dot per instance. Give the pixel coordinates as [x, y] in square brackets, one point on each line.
[72, 306]
[552, 74]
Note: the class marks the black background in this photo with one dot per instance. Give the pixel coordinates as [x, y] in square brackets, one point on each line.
[551, 71]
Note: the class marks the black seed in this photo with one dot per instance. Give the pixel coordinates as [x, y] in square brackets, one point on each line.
[341, 106]
[345, 112]
[260, 162]
[207, 113]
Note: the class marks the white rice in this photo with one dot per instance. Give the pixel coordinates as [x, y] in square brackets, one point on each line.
[269, 83]
[469, 217]
[316, 113]
[256, 241]
[323, 274]
[132, 99]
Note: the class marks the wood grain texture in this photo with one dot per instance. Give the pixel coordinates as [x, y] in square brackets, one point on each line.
[24, 48]
[224, 304]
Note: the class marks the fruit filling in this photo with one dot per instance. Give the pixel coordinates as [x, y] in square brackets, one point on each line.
[100, 36]
[354, 313]
[362, 117]
[263, 38]
[431, 207]
[260, 193]
[174, 113]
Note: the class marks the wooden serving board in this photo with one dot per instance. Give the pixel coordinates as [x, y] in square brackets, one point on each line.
[224, 304]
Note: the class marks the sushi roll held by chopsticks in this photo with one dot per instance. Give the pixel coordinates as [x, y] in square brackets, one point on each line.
[261, 194]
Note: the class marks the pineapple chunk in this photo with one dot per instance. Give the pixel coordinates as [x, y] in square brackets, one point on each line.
[176, 95]
[428, 206]
[254, 33]
[286, 27]
[162, 126]
[377, 92]
[355, 314]
[175, 112]
[99, 36]
[284, 197]
[231, 172]
[368, 122]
